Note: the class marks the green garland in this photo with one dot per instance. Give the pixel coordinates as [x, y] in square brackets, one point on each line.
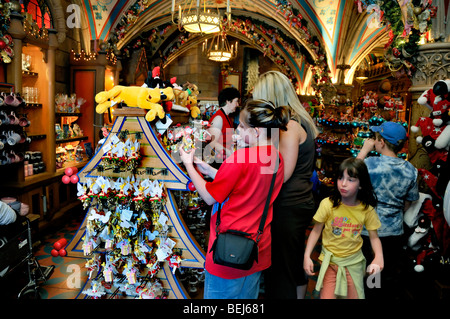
[403, 43]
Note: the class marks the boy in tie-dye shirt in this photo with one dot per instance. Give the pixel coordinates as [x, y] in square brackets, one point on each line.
[395, 183]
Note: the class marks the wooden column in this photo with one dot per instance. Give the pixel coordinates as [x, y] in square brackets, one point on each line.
[51, 62]
[14, 70]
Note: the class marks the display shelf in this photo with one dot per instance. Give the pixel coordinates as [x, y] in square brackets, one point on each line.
[36, 137]
[33, 105]
[29, 73]
[72, 139]
[61, 114]
[72, 164]
[154, 156]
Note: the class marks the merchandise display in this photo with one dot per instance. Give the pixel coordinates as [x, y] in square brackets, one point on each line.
[94, 113]
[430, 238]
[142, 229]
[13, 136]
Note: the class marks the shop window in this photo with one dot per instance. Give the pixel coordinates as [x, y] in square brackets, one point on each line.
[39, 11]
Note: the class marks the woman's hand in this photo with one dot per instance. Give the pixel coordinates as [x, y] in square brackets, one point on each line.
[202, 167]
[186, 157]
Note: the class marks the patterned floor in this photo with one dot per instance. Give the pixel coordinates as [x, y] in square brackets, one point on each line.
[69, 274]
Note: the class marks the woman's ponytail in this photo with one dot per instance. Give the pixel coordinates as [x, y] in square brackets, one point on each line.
[262, 113]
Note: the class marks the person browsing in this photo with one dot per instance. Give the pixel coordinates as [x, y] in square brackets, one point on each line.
[241, 186]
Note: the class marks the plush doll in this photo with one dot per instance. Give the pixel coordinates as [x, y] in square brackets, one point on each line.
[156, 80]
[191, 103]
[388, 103]
[437, 99]
[167, 97]
[443, 140]
[186, 99]
[132, 96]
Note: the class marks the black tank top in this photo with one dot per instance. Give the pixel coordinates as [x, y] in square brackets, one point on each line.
[298, 189]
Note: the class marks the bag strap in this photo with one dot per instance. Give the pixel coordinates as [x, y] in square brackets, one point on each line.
[266, 207]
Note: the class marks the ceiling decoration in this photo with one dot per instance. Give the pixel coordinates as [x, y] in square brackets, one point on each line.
[312, 39]
[408, 22]
[195, 18]
[219, 49]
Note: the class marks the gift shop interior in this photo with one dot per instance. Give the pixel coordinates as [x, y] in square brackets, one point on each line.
[97, 97]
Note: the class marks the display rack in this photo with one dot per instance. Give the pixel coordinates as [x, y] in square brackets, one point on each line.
[156, 164]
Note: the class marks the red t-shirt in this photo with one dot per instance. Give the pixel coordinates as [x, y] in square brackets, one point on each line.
[226, 138]
[242, 184]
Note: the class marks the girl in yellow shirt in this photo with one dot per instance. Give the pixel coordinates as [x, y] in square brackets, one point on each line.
[340, 219]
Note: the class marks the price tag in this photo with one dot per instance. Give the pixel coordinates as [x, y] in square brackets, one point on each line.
[163, 252]
[106, 148]
[163, 219]
[115, 139]
[126, 214]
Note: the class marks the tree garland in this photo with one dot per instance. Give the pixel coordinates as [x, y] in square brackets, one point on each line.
[319, 68]
[406, 21]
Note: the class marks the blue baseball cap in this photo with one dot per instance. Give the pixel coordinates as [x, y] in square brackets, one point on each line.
[391, 131]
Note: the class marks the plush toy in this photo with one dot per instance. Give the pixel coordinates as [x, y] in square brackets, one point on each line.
[443, 140]
[156, 81]
[437, 99]
[132, 96]
[191, 103]
[423, 257]
[167, 97]
[186, 98]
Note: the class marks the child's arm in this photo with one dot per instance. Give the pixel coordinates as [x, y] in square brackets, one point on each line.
[378, 259]
[312, 241]
[368, 146]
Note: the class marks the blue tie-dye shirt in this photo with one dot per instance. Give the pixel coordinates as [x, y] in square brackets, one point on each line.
[394, 181]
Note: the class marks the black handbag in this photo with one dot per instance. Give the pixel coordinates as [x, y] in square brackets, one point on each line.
[235, 248]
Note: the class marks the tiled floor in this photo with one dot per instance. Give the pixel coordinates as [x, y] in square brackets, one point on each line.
[69, 274]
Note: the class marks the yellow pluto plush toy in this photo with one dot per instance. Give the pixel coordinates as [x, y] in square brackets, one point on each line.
[135, 96]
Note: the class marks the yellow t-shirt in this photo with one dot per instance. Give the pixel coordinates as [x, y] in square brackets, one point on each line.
[343, 225]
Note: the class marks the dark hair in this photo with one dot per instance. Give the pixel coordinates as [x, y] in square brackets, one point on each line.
[356, 168]
[262, 113]
[228, 94]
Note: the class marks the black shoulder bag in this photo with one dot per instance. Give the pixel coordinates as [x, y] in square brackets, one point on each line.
[236, 249]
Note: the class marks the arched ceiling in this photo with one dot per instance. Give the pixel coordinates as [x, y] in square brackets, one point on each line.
[301, 35]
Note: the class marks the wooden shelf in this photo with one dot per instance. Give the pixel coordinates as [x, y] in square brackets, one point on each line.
[29, 73]
[72, 139]
[68, 114]
[33, 105]
[35, 137]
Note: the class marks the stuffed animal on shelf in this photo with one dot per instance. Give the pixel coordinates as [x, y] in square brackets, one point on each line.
[156, 81]
[133, 96]
[430, 134]
[191, 102]
[437, 99]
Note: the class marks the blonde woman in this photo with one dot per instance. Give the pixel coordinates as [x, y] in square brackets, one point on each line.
[294, 207]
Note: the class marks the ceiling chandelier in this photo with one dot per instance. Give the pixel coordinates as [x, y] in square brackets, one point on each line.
[219, 49]
[195, 18]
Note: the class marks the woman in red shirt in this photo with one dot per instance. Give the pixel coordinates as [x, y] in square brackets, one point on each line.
[241, 186]
[222, 127]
